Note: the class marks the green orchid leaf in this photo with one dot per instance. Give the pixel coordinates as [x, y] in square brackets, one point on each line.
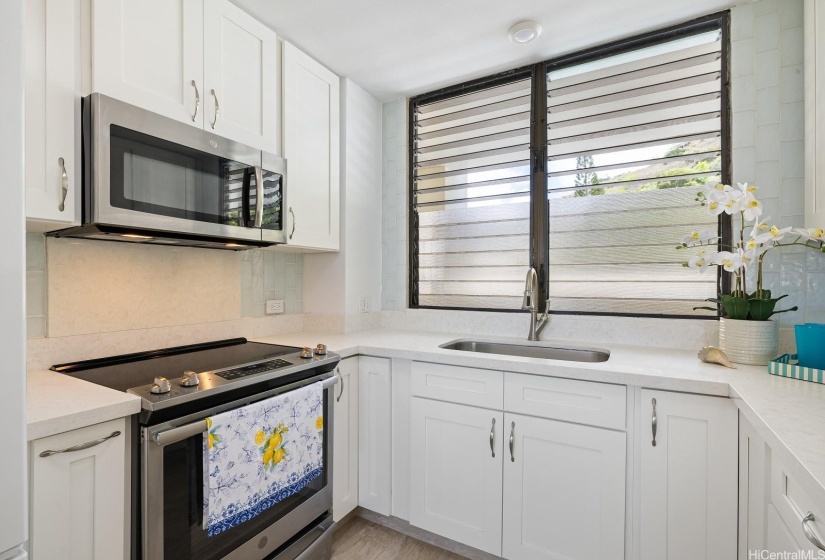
[794, 308]
[735, 307]
[761, 309]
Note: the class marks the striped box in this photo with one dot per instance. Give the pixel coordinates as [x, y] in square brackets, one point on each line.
[783, 367]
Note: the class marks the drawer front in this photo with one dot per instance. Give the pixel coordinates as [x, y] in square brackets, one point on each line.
[583, 402]
[793, 503]
[476, 387]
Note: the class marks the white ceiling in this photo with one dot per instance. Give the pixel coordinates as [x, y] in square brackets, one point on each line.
[398, 48]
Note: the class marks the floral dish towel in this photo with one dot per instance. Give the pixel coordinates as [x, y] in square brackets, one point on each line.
[257, 455]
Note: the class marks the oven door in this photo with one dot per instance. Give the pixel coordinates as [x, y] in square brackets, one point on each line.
[172, 500]
[150, 172]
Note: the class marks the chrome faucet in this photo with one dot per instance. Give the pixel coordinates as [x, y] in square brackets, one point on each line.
[530, 301]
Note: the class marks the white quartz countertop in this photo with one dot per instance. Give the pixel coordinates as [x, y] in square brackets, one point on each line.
[58, 403]
[789, 413]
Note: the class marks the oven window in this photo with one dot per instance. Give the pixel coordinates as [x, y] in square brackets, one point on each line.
[184, 536]
[163, 178]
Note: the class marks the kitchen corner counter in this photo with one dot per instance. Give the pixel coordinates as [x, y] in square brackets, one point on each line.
[58, 403]
[788, 413]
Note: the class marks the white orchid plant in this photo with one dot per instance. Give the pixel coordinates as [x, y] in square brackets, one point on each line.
[756, 237]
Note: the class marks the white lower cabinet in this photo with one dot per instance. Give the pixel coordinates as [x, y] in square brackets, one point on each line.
[564, 491]
[688, 477]
[375, 434]
[345, 441]
[456, 472]
[79, 497]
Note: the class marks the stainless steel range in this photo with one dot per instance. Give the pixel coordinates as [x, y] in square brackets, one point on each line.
[180, 387]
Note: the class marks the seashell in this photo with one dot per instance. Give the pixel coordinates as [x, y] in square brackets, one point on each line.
[714, 355]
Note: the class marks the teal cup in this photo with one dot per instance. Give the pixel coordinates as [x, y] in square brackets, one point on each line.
[810, 345]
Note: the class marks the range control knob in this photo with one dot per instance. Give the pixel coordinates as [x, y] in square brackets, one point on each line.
[321, 350]
[189, 379]
[306, 352]
[160, 386]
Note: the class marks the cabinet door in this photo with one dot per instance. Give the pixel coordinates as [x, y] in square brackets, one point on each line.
[79, 505]
[311, 147]
[241, 74]
[456, 469]
[52, 113]
[345, 441]
[375, 434]
[689, 477]
[752, 484]
[149, 53]
[564, 491]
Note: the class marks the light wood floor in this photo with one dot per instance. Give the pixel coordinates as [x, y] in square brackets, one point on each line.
[360, 539]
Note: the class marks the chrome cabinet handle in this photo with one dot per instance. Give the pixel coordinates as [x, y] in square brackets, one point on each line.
[810, 533]
[64, 183]
[197, 101]
[259, 197]
[81, 446]
[293, 223]
[493, 438]
[217, 109]
[653, 423]
[338, 371]
[512, 442]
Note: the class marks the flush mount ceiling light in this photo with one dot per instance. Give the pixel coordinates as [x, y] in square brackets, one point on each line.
[524, 32]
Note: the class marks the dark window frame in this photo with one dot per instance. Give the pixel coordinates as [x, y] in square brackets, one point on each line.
[539, 224]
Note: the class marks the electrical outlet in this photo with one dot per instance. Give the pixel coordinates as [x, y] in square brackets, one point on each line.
[365, 304]
[274, 306]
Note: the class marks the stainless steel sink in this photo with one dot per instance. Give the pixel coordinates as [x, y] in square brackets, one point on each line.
[528, 351]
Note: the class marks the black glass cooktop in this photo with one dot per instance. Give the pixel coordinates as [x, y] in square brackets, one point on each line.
[133, 370]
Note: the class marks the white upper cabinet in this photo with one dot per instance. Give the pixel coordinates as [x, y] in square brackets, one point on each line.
[688, 477]
[312, 149]
[564, 491]
[202, 62]
[149, 53]
[52, 113]
[241, 70]
[815, 112]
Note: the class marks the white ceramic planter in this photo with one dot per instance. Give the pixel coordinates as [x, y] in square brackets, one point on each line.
[749, 342]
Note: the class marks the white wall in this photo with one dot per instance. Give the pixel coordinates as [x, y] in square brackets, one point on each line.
[767, 98]
[13, 496]
[362, 225]
[394, 183]
[334, 283]
[767, 150]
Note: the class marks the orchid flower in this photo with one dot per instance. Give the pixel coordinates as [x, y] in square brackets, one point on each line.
[814, 234]
[774, 234]
[731, 262]
[751, 208]
[700, 236]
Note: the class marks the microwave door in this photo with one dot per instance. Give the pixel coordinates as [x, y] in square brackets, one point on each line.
[273, 193]
[150, 172]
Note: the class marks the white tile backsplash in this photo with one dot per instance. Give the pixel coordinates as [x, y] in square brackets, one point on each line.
[394, 184]
[776, 164]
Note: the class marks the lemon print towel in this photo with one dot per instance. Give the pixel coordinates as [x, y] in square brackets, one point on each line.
[260, 454]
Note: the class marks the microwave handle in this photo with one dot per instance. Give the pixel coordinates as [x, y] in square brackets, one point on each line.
[259, 199]
[245, 219]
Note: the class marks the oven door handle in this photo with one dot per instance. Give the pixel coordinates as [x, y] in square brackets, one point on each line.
[174, 435]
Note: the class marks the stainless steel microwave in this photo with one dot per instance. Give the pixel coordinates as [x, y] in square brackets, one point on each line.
[151, 179]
